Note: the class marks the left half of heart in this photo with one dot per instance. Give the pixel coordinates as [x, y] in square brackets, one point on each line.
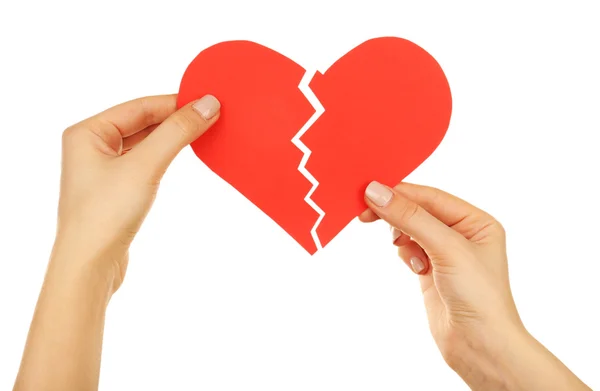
[250, 146]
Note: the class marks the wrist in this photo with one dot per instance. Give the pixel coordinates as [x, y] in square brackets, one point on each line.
[68, 321]
[485, 358]
[509, 358]
[75, 266]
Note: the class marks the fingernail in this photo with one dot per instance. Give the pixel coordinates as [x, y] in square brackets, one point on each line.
[417, 265]
[395, 234]
[378, 194]
[207, 107]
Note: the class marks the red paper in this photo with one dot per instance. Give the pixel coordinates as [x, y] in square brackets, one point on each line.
[387, 108]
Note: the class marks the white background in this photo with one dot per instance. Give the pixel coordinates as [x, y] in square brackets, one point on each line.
[217, 297]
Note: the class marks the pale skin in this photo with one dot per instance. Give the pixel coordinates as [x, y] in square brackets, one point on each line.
[112, 167]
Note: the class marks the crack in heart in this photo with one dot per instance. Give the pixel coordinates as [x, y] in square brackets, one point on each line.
[319, 110]
[386, 108]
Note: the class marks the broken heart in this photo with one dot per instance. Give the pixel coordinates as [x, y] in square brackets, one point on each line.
[387, 106]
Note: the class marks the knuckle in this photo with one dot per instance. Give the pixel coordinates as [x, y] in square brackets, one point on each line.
[493, 226]
[149, 116]
[408, 211]
[499, 228]
[435, 195]
[70, 135]
[185, 124]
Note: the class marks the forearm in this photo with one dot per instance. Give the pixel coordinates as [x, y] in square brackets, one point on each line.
[64, 344]
[520, 364]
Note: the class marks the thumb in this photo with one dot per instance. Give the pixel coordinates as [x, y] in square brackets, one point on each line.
[179, 130]
[435, 237]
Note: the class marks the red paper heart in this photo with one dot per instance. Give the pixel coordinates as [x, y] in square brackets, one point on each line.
[387, 108]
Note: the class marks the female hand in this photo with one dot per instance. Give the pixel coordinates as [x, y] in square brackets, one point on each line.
[112, 166]
[459, 253]
[111, 169]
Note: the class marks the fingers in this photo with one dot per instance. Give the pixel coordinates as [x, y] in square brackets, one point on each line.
[410, 252]
[449, 209]
[456, 213]
[138, 114]
[135, 139]
[368, 216]
[161, 146]
[417, 260]
[398, 237]
[431, 234]
[446, 207]
[111, 127]
[414, 257]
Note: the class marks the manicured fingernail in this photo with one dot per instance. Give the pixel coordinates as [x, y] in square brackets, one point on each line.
[378, 194]
[417, 265]
[207, 107]
[395, 234]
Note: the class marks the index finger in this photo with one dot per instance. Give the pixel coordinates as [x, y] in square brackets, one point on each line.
[138, 114]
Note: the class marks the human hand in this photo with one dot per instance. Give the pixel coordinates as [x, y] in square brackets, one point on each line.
[112, 165]
[111, 168]
[459, 253]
